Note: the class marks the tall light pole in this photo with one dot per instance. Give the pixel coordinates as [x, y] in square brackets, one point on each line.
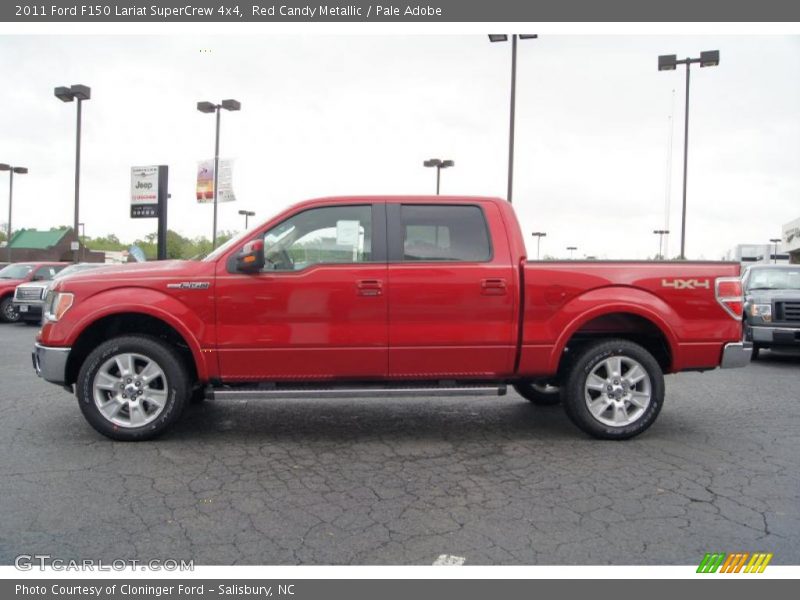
[571, 250]
[68, 94]
[210, 107]
[538, 235]
[11, 170]
[669, 62]
[502, 37]
[775, 241]
[247, 213]
[660, 233]
[82, 240]
[439, 164]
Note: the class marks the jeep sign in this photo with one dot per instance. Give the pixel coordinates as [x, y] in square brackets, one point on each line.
[144, 192]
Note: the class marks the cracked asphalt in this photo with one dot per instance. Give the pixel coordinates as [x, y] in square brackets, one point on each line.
[492, 480]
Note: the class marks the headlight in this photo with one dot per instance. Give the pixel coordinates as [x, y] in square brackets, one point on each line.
[56, 304]
[762, 311]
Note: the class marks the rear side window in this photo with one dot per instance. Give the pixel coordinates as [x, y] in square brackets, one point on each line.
[444, 233]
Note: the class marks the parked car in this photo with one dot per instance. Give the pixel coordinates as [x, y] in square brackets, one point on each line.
[14, 274]
[383, 296]
[772, 306]
[29, 297]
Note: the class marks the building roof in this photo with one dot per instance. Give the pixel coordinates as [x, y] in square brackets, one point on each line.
[37, 240]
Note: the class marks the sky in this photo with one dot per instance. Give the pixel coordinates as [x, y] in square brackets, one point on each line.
[353, 114]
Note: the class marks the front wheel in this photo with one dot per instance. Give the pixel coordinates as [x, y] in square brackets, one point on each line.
[614, 390]
[540, 394]
[8, 313]
[132, 388]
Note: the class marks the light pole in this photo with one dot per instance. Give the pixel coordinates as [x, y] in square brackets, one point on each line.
[247, 213]
[11, 170]
[775, 241]
[538, 235]
[669, 62]
[82, 240]
[210, 107]
[68, 94]
[571, 250]
[660, 233]
[502, 37]
[439, 164]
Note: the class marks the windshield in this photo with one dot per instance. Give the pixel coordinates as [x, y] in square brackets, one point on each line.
[17, 271]
[224, 247]
[774, 279]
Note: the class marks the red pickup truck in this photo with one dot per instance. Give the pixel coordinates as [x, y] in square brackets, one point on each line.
[381, 296]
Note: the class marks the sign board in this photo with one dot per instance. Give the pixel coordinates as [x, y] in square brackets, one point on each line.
[74, 246]
[144, 192]
[205, 181]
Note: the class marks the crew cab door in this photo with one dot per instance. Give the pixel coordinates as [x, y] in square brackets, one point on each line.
[318, 309]
[452, 291]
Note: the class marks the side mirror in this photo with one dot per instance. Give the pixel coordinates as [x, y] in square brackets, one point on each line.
[251, 257]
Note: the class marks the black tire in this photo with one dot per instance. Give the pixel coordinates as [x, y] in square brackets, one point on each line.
[176, 386]
[756, 349]
[540, 394]
[592, 359]
[8, 313]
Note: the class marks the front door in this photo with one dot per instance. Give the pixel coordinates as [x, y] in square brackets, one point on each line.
[318, 310]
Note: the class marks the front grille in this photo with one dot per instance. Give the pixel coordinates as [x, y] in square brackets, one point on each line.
[29, 294]
[788, 311]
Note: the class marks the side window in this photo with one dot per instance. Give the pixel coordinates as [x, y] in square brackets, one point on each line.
[444, 233]
[44, 273]
[331, 234]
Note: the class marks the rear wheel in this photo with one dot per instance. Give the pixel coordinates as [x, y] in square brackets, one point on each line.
[615, 390]
[7, 312]
[132, 388]
[539, 393]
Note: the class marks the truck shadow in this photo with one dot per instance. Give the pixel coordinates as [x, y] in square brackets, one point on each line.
[353, 420]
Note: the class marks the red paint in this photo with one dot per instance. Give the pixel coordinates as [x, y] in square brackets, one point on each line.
[500, 319]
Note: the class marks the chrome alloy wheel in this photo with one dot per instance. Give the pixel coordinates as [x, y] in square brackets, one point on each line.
[618, 391]
[130, 390]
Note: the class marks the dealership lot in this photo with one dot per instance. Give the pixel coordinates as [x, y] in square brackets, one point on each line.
[492, 480]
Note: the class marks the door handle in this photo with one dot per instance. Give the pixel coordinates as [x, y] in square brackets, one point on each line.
[493, 287]
[369, 287]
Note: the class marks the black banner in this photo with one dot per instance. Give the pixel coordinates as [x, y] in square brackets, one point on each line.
[423, 11]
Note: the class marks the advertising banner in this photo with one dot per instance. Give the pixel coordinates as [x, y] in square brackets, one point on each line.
[205, 181]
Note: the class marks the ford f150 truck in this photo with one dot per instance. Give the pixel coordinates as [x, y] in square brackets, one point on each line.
[380, 296]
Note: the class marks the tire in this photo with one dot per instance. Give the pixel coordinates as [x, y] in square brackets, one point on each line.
[634, 400]
[540, 394]
[756, 349]
[7, 312]
[159, 385]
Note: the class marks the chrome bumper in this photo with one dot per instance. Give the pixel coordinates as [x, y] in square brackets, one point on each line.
[51, 363]
[737, 354]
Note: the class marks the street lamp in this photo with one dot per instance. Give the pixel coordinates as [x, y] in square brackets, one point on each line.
[439, 164]
[660, 233]
[82, 240]
[571, 250]
[775, 241]
[11, 170]
[210, 107]
[247, 213]
[502, 37]
[68, 94]
[669, 62]
[538, 235]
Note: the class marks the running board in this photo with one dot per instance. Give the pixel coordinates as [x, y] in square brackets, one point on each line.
[353, 392]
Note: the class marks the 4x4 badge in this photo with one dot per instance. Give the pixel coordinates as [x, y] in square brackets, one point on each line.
[686, 284]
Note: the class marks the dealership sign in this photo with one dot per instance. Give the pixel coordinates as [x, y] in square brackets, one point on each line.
[144, 192]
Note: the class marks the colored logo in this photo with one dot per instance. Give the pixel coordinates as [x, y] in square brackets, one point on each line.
[736, 562]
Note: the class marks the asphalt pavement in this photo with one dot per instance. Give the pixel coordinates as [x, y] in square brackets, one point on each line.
[404, 481]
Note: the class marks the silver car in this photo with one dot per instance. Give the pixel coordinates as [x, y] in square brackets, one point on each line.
[29, 297]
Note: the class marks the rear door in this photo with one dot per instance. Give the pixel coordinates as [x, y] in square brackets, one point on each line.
[452, 291]
[318, 310]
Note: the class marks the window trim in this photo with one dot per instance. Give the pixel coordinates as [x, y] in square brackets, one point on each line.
[378, 240]
[396, 236]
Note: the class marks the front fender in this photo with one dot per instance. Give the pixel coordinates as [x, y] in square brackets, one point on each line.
[134, 300]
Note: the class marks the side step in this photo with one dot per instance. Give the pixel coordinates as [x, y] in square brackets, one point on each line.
[361, 391]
